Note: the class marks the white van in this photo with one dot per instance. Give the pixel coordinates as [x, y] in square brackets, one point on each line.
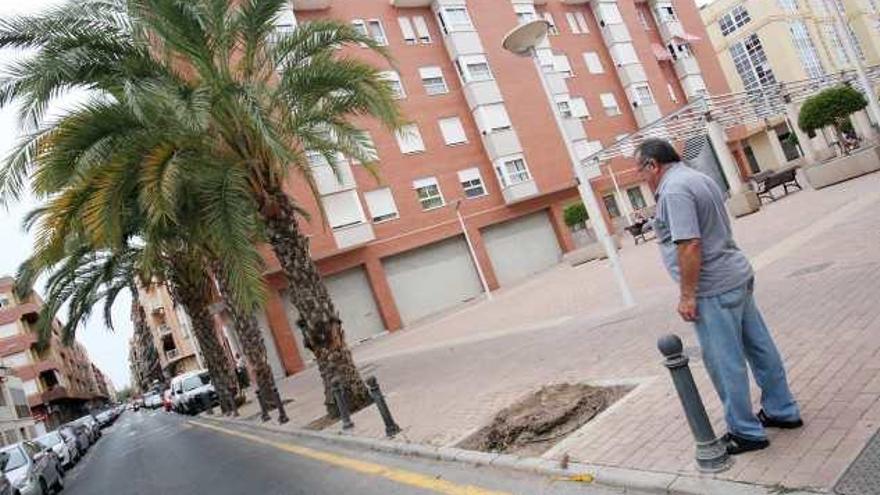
[192, 392]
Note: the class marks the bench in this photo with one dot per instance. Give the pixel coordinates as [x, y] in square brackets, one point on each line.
[640, 230]
[765, 182]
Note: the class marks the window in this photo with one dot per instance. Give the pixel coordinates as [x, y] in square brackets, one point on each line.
[8, 330]
[343, 209]
[432, 80]
[672, 95]
[471, 183]
[679, 50]
[734, 19]
[831, 34]
[381, 205]
[30, 387]
[642, 95]
[492, 118]
[452, 130]
[376, 31]
[611, 206]
[789, 6]
[572, 107]
[4, 301]
[751, 63]
[800, 36]
[18, 359]
[564, 106]
[428, 193]
[513, 171]
[474, 68]
[406, 29]
[572, 23]
[609, 103]
[623, 54]
[636, 199]
[525, 13]
[561, 64]
[594, 63]
[643, 18]
[409, 139]
[609, 14]
[422, 32]
[819, 7]
[455, 19]
[581, 22]
[393, 80]
[360, 26]
[553, 30]
[665, 11]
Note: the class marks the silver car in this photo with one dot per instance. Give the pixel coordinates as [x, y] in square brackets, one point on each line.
[53, 440]
[33, 470]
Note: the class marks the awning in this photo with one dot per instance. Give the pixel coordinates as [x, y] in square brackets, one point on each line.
[687, 37]
[660, 52]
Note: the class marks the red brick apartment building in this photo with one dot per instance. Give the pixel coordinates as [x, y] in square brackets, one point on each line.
[483, 140]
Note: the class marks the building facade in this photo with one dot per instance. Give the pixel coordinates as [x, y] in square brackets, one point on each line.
[483, 143]
[58, 381]
[170, 331]
[16, 422]
[760, 43]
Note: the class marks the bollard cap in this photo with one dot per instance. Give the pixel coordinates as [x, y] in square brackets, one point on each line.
[670, 345]
[372, 382]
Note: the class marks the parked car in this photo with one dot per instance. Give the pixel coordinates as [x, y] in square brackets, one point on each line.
[77, 439]
[92, 427]
[53, 440]
[152, 400]
[192, 392]
[105, 418]
[6, 487]
[33, 470]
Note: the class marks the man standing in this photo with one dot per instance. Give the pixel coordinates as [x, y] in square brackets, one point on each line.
[716, 293]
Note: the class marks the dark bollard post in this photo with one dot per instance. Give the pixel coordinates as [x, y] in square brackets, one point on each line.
[711, 453]
[282, 414]
[206, 404]
[341, 404]
[264, 409]
[391, 428]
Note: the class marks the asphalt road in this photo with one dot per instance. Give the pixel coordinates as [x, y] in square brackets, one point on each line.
[153, 452]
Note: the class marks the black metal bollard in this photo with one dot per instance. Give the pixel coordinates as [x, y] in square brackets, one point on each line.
[341, 404]
[282, 414]
[391, 428]
[711, 454]
[264, 409]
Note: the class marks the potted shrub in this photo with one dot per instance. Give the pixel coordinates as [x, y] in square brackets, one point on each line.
[831, 107]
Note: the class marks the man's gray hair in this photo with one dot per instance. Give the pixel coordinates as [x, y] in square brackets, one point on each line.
[656, 149]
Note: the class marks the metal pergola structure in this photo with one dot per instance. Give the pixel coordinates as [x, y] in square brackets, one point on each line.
[730, 110]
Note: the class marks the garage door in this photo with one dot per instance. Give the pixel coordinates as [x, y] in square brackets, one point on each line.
[432, 278]
[353, 298]
[271, 351]
[522, 247]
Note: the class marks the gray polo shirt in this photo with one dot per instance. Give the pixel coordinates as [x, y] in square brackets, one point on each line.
[690, 205]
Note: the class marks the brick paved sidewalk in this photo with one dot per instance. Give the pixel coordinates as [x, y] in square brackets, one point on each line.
[818, 284]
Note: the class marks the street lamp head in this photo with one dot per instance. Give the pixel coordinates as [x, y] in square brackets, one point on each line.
[522, 39]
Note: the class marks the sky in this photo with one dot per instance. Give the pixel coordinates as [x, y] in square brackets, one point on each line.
[108, 349]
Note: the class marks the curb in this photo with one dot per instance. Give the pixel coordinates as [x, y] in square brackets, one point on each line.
[614, 477]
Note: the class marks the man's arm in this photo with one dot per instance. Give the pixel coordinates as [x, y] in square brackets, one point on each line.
[690, 259]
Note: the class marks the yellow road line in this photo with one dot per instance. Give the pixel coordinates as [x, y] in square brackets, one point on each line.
[401, 476]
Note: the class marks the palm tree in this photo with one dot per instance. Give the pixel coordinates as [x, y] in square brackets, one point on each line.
[211, 66]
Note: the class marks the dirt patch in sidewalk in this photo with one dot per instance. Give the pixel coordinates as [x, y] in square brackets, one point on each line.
[542, 419]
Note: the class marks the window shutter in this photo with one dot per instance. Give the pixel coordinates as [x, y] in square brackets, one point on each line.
[469, 174]
[594, 63]
[421, 29]
[406, 28]
[572, 23]
[549, 18]
[581, 22]
[427, 181]
[410, 139]
[430, 72]
[561, 63]
[545, 57]
[492, 117]
[343, 209]
[381, 203]
[579, 108]
[452, 130]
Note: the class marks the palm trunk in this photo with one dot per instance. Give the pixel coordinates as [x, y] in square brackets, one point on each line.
[319, 321]
[194, 294]
[148, 367]
[254, 351]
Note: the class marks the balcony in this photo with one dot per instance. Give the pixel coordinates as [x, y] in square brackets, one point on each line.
[615, 33]
[408, 4]
[30, 312]
[482, 93]
[164, 330]
[520, 192]
[694, 86]
[574, 129]
[645, 114]
[501, 143]
[460, 43]
[353, 235]
[172, 354]
[329, 181]
[631, 74]
[556, 83]
[670, 30]
[592, 170]
[311, 4]
[686, 67]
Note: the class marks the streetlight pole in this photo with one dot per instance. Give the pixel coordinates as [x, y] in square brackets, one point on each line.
[522, 40]
[627, 214]
[835, 6]
[470, 245]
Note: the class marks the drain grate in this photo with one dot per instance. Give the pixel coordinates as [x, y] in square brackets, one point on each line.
[810, 269]
[863, 475]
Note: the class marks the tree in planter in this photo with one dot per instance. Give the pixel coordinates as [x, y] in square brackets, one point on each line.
[831, 107]
[575, 216]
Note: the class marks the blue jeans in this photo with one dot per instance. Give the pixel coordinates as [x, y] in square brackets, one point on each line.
[732, 332]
